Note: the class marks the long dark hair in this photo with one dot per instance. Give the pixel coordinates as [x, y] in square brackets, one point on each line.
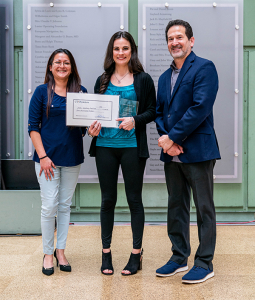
[134, 65]
[74, 80]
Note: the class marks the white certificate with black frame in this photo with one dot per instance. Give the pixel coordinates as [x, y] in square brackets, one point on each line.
[82, 109]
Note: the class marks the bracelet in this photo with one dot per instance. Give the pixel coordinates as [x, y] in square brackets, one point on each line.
[43, 157]
[133, 122]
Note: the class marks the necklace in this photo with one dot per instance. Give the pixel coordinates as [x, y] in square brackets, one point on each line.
[119, 80]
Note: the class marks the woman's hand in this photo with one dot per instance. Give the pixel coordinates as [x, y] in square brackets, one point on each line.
[127, 123]
[46, 166]
[45, 162]
[94, 128]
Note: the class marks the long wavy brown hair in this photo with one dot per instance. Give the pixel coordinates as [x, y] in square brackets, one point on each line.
[74, 80]
[134, 65]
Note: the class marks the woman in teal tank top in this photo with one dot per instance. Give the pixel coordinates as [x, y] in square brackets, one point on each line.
[125, 146]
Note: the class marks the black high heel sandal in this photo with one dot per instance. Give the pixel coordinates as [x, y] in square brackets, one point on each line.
[107, 263]
[65, 268]
[47, 271]
[134, 264]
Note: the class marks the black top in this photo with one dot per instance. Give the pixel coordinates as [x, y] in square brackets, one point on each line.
[146, 96]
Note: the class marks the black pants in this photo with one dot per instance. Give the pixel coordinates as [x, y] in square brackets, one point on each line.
[180, 179]
[108, 161]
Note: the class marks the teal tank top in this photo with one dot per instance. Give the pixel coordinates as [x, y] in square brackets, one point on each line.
[115, 137]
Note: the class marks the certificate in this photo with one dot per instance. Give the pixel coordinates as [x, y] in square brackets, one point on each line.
[82, 109]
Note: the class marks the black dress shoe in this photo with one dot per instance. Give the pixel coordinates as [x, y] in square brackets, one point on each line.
[107, 263]
[47, 271]
[134, 264]
[65, 268]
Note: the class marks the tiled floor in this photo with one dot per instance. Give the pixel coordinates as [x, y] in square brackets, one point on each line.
[21, 261]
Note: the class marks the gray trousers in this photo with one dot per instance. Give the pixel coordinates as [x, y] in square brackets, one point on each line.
[180, 179]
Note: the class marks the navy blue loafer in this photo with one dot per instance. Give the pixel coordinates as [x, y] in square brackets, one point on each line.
[197, 275]
[171, 268]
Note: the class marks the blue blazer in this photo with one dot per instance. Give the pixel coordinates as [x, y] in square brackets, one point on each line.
[187, 115]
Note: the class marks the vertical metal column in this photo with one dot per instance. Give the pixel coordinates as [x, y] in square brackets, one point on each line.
[2, 77]
[0, 106]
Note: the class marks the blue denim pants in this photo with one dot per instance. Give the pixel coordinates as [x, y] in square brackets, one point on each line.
[56, 196]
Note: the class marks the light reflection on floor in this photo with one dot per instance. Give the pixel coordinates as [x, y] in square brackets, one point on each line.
[21, 262]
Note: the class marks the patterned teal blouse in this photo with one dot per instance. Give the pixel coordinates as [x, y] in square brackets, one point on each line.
[115, 137]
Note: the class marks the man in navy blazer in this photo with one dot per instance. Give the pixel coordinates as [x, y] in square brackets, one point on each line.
[184, 118]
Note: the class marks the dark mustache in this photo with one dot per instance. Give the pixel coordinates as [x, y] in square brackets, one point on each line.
[176, 47]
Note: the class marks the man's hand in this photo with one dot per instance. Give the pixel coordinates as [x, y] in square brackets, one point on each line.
[165, 142]
[175, 150]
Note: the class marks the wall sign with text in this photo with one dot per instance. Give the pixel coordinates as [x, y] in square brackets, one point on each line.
[84, 27]
[218, 31]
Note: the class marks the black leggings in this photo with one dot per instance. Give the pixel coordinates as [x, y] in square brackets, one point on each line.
[108, 161]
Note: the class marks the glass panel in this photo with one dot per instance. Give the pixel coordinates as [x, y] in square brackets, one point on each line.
[128, 108]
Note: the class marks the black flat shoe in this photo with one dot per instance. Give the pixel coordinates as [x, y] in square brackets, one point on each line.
[47, 271]
[107, 263]
[134, 264]
[65, 268]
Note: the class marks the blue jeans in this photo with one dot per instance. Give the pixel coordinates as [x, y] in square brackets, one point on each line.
[56, 196]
